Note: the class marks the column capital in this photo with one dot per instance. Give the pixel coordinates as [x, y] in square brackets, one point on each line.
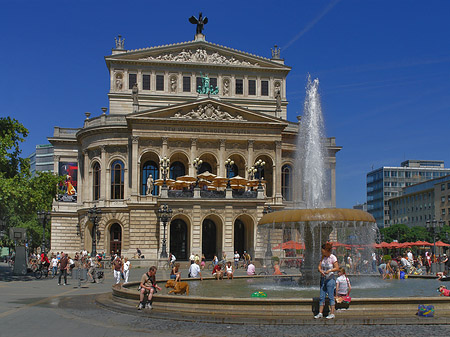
[57, 158]
[278, 144]
[251, 142]
[165, 140]
[194, 141]
[134, 139]
[103, 148]
[222, 142]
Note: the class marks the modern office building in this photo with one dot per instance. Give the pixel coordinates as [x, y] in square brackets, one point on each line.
[421, 203]
[42, 159]
[175, 112]
[387, 182]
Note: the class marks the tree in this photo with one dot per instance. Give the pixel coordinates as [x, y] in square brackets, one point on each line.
[11, 134]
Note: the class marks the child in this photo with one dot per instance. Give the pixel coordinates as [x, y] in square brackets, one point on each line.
[444, 291]
[343, 285]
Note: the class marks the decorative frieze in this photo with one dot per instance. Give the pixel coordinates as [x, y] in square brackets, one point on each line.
[208, 112]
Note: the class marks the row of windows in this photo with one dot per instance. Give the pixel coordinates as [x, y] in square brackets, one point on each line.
[410, 174]
[177, 169]
[239, 84]
[443, 186]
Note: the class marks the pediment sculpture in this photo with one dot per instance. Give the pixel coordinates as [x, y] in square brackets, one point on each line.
[200, 55]
[208, 112]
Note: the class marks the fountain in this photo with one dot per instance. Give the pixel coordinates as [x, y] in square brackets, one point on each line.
[311, 222]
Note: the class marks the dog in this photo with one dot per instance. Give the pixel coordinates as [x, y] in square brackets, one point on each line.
[444, 291]
[170, 284]
[180, 288]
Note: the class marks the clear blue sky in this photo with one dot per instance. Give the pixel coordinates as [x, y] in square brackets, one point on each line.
[384, 66]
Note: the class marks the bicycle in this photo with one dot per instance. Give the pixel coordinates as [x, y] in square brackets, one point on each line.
[222, 263]
[98, 277]
[42, 271]
[168, 265]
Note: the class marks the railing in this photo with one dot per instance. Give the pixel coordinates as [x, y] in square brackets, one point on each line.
[180, 194]
[212, 194]
[241, 194]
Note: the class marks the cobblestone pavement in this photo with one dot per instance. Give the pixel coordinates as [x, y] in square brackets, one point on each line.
[41, 308]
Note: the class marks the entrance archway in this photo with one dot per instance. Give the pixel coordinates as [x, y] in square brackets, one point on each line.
[209, 238]
[115, 239]
[179, 239]
[239, 236]
[243, 235]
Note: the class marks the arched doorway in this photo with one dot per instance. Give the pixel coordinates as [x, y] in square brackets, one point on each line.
[179, 239]
[209, 238]
[115, 239]
[239, 236]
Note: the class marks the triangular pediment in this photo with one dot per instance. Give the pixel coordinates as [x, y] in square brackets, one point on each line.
[207, 110]
[196, 52]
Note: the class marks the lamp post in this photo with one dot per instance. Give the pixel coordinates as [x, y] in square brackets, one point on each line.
[43, 217]
[197, 163]
[259, 165]
[229, 164]
[94, 217]
[251, 175]
[268, 209]
[164, 215]
[434, 227]
[164, 162]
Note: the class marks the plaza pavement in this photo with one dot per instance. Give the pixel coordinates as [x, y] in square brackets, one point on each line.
[30, 307]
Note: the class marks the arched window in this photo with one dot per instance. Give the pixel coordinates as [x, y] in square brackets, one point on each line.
[233, 171]
[96, 180]
[286, 182]
[205, 167]
[177, 169]
[117, 179]
[150, 167]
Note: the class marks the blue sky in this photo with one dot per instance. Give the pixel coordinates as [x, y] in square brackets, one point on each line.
[383, 66]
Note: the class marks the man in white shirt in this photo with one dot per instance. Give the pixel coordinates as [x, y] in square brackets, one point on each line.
[126, 269]
[54, 263]
[194, 270]
[236, 259]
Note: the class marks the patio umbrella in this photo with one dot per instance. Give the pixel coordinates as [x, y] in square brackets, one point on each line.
[421, 243]
[207, 176]
[290, 245]
[160, 182]
[252, 183]
[187, 178]
[442, 244]
[238, 180]
[219, 181]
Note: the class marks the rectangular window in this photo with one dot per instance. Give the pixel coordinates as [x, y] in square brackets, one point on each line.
[198, 83]
[239, 87]
[186, 84]
[448, 186]
[145, 82]
[264, 88]
[160, 82]
[443, 211]
[251, 87]
[132, 79]
[442, 199]
[443, 187]
[213, 82]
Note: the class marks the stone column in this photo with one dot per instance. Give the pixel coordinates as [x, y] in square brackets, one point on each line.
[221, 165]
[277, 172]
[86, 192]
[56, 160]
[104, 187]
[250, 154]
[228, 231]
[196, 230]
[333, 183]
[193, 155]
[134, 166]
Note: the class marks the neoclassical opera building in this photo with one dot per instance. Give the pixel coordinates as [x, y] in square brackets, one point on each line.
[167, 121]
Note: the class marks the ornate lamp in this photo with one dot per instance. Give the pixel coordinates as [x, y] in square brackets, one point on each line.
[229, 164]
[94, 214]
[43, 218]
[268, 209]
[259, 165]
[164, 162]
[164, 216]
[197, 163]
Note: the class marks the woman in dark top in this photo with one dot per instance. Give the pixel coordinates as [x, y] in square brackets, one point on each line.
[175, 273]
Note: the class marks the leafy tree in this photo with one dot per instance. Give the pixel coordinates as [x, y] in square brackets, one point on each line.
[11, 134]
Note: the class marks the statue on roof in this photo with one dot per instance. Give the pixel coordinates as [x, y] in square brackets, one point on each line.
[206, 88]
[200, 22]
[119, 43]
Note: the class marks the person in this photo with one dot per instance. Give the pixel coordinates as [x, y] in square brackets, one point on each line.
[229, 270]
[251, 270]
[215, 260]
[63, 265]
[406, 265]
[194, 271]
[54, 264]
[118, 269]
[147, 287]
[192, 257]
[217, 272]
[445, 261]
[236, 259]
[71, 264]
[374, 262]
[276, 269]
[138, 252]
[343, 286]
[172, 259]
[91, 270]
[203, 263]
[126, 270]
[196, 258]
[393, 269]
[328, 265]
[382, 268]
[175, 273]
[428, 262]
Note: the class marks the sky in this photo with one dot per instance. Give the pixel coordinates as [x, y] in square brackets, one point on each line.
[383, 66]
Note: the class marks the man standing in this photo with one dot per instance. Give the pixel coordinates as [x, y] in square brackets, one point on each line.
[63, 264]
[148, 287]
[118, 269]
[194, 271]
[236, 259]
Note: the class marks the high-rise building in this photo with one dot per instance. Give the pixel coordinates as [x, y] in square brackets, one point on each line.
[387, 182]
[42, 159]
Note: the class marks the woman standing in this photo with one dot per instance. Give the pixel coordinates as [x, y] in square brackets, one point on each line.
[328, 265]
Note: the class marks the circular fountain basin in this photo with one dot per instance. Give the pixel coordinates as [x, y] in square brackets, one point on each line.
[229, 300]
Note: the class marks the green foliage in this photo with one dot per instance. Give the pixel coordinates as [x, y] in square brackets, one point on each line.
[11, 134]
[22, 196]
[403, 233]
[386, 258]
[275, 259]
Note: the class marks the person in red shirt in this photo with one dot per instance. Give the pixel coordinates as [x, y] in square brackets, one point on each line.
[217, 272]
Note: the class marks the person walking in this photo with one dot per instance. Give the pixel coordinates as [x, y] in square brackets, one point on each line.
[118, 269]
[63, 265]
[126, 270]
[327, 267]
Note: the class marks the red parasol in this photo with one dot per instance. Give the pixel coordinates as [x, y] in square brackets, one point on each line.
[290, 245]
[442, 244]
[421, 243]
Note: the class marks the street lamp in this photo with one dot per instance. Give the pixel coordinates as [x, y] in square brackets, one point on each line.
[267, 210]
[94, 217]
[434, 227]
[43, 217]
[197, 163]
[164, 162]
[164, 215]
[259, 165]
[229, 164]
